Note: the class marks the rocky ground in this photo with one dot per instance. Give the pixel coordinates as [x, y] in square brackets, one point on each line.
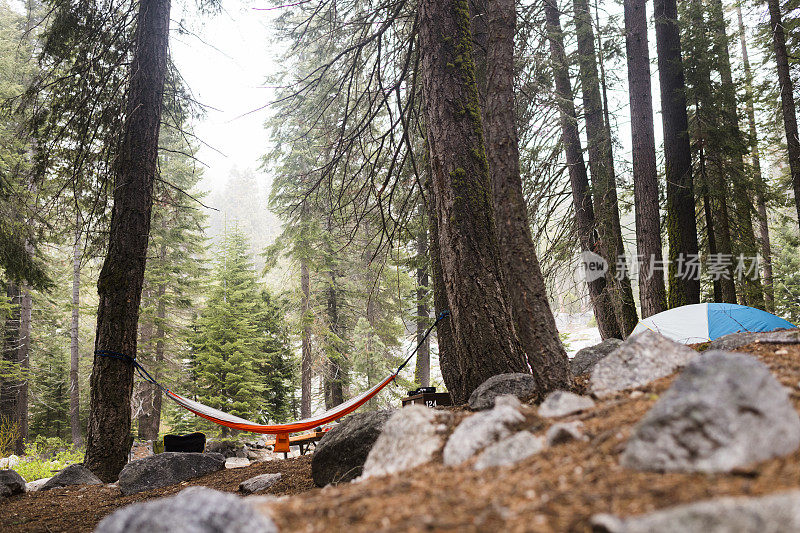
[560, 482]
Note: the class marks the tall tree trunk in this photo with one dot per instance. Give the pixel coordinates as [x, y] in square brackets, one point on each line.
[120, 283]
[485, 339]
[74, 342]
[760, 185]
[601, 165]
[533, 318]
[681, 218]
[305, 360]
[161, 339]
[652, 294]
[335, 376]
[422, 372]
[584, 212]
[753, 294]
[23, 359]
[10, 383]
[787, 97]
[145, 391]
[448, 361]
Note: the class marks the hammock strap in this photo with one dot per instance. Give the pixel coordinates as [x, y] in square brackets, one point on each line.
[442, 316]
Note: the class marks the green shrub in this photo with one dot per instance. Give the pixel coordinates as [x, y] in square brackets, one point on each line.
[46, 456]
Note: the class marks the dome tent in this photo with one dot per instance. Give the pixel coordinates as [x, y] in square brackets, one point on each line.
[695, 323]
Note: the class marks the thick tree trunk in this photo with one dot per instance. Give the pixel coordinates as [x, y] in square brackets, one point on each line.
[422, 372]
[305, 359]
[120, 282]
[584, 212]
[760, 185]
[652, 294]
[485, 339]
[74, 342]
[601, 166]
[787, 96]
[681, 218]
[752, 292]
[448, 362]
[533, 318]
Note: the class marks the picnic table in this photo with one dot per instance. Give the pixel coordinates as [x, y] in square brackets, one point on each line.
[304, 441]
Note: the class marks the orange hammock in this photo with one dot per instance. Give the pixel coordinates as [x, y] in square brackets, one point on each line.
[281, 431]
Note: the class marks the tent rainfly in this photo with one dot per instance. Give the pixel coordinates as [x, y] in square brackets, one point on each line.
[695, 323]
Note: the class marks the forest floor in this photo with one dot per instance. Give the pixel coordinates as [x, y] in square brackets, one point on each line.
[556, 490]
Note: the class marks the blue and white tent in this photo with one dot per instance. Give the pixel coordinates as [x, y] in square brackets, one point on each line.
[695, 323]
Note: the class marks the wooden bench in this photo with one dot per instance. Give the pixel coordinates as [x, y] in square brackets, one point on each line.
[303, 441]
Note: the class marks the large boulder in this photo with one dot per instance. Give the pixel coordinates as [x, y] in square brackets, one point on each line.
[725, 410]
[510, 450]
[11, 483]
[76, 474]
[341, 453]
[259, 483]
[586, 358]
[638, 361]
[167, 468]
[767, 514]
[193, 510]
[411, 437]
[523, 386]
[561, 403]
[734, 341]
[482, 430]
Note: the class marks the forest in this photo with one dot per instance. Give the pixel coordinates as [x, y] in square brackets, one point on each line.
[508, 167]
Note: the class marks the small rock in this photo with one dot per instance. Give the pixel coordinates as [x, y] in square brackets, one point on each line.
[640, 360]
[510, 450]
[11, 483]
[482, 430]
[167, 468]
[782, 351]
[563, 433]
[341, 453]
[36, 485]
[767, 514]
[586, 358]
[72, 475]
[193, 510]
[410, 438]
[725, 410]
[228, 448]
[562, 403]
[635, 395]
[733, 341]
[9, 462]
[259, 483]
[237, 462]
[522, 386]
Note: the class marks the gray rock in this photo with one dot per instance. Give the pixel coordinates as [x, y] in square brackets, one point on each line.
[410, 438]
[76, 474]
[510, 450]
[36, 485]
[562, 403]
[482, 430]
[193, 510]
[259, 483]
[167, 468]
[775, 513]
[586, 358]
[341, 453]
[237, 462]
[11, 483]
[733, 341]
[638, 361]
[228, 448]
[563, 433]
[523, 386]
[725, 410]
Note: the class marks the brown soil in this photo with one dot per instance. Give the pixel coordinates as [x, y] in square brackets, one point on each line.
[557, 490]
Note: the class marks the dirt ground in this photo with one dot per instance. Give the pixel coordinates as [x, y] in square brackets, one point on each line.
[557, 490]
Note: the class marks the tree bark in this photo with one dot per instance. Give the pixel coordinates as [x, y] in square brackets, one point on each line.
[681, 218]
[120, 282]
[601, 165]
[305, 362]
[484, 335]
[422, 372]
[760, 185]
[533, 318]
[787, 97]
[10, 384]
[23, 358]
[579, 179]
[335, 371]
[652, 294]
[74, 342]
